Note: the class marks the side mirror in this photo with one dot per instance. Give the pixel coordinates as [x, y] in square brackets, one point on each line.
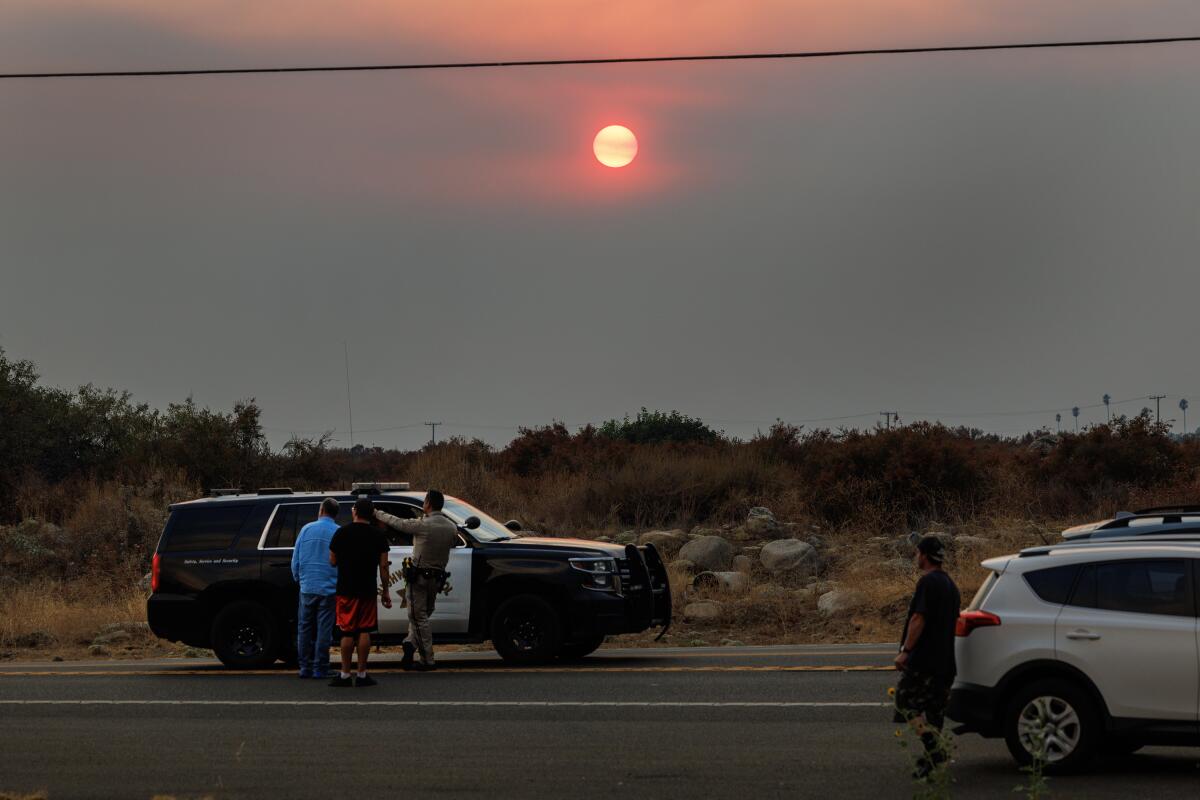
[513, 525]
[471, 523]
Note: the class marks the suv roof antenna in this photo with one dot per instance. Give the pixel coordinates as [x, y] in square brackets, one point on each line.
[349, 405]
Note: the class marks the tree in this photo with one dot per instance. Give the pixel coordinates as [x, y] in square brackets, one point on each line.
[655, 427]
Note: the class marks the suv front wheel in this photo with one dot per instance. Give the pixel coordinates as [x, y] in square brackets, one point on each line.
[245, 635]
[526, 630]
[1055, 718]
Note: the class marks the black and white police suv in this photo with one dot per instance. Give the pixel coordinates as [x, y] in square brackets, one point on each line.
[221, 578]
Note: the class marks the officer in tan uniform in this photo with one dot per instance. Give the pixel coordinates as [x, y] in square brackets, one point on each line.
[434, 536]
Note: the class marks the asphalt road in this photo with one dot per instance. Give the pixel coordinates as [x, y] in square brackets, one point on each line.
[706, 722]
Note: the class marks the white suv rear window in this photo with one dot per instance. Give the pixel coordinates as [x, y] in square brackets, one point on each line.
[983, 592]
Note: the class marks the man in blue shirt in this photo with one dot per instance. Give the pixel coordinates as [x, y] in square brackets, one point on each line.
[318, 586]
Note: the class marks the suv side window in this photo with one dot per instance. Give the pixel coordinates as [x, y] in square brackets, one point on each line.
[1054, 584]
[1137, 587]
[287, 522]
[213, 528]
[403, 511]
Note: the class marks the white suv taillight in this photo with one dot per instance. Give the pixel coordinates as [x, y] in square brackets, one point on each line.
[970, 620]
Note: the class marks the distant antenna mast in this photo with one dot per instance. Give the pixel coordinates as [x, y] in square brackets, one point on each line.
[1075, 413]
[1183, 406]
[349, 405]
[1107, 410]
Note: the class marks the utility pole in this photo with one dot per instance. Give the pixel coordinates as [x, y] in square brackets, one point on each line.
[433, 431]
[349, 405]
[1107, 411]
[1075, 413]
[1157, 398]
[890, 415]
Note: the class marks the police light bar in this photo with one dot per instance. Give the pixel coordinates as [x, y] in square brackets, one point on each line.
[377, 488]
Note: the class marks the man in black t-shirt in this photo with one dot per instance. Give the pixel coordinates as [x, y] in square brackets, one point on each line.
[926, 658]
[359, 550]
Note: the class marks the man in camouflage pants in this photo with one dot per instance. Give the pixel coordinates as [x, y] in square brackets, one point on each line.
[926, 658]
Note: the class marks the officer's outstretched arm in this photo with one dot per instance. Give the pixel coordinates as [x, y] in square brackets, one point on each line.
[394, 522]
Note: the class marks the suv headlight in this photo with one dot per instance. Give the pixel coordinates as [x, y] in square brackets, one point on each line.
[600, 573]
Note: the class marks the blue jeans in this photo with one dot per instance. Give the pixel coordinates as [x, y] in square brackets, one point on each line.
[314, 631]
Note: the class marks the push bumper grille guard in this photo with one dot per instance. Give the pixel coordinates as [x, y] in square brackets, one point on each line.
[649, 588]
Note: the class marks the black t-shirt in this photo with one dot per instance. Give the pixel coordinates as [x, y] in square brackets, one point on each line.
[357, 547]
[938, 601]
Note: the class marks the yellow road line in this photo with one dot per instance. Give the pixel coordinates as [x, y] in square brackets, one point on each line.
[445, 670]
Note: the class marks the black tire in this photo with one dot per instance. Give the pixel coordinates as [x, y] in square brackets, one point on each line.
[526, 630]
[1065, 713]
[573, 651]
[246, 635]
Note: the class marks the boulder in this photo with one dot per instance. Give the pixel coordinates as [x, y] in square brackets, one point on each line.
[771, 592]
[789, 557]
[839, 601]
[702, 611]
[743, 564]
[708, 553]
[112, 637]
[98, 650]
[733, 582]
[664, 541]
[761, 523]
[625, 537]
[817, 542]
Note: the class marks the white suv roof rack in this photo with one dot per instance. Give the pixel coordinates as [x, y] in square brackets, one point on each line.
[1115, 541]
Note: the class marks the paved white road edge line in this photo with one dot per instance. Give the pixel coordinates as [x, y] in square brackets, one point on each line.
[453, 703]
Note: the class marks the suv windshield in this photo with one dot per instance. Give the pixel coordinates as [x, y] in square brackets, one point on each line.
[489, 530]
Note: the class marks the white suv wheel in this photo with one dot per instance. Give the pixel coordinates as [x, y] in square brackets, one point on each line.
[1059, 715]
[1049, 724]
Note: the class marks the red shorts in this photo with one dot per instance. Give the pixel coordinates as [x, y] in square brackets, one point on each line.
[357, 615]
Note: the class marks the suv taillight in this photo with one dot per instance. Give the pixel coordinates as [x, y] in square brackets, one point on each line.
[970, 620]
[155, 569]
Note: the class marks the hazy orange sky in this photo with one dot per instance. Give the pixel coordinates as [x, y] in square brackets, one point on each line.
[942, 235]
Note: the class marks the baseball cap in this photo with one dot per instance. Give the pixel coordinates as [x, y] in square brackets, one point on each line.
[933, 548]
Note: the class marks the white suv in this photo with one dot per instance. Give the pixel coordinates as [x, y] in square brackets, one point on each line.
[1089, 647]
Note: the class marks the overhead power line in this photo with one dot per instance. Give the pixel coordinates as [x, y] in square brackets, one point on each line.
[562, 62]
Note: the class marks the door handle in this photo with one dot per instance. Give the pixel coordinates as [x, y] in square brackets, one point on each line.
[1081, 634]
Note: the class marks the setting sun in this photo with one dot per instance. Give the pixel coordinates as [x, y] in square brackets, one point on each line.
[615, 146]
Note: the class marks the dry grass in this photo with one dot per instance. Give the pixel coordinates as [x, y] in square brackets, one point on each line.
[64, 618]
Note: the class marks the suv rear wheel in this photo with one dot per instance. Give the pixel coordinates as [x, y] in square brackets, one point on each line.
[245, 635]
[526, 630]
[1056, 717]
